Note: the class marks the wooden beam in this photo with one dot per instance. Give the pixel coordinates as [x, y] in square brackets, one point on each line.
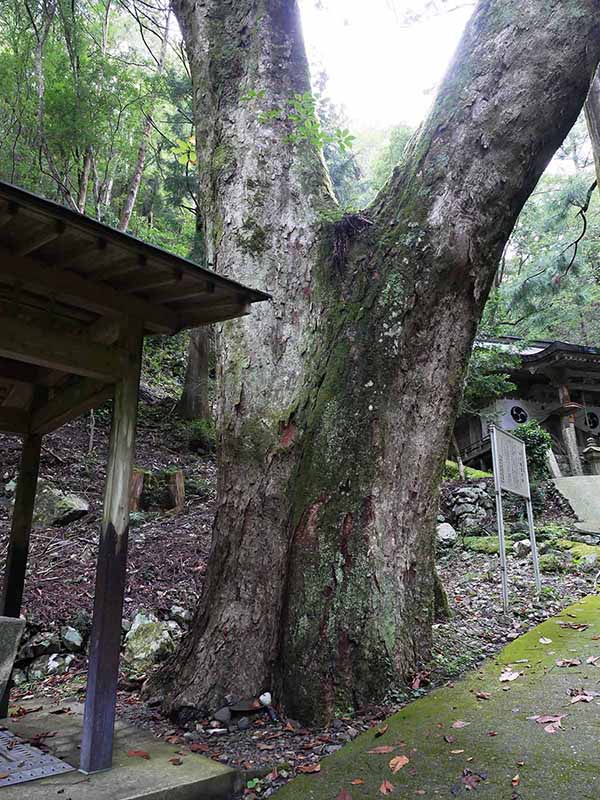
[192, 318]
[20, 531]
[68, 403]
[13, 420]
[67, 352]
[8, 214]
[72, 288]
[105, 639]
[44, 237]
[19, 372]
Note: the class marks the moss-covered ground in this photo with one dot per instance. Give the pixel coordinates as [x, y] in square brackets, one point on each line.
[480, 726]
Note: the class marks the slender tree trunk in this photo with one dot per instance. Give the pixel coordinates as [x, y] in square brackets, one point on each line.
[194, 403]
[194, 397]
[339, 399]
[84, 179]
[138, 171]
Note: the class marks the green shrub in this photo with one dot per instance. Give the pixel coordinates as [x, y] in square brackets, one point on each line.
[537, 443]
[550, 562]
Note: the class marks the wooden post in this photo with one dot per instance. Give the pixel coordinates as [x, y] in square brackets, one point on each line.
[103, 671]
[18, 547]
[567, 430]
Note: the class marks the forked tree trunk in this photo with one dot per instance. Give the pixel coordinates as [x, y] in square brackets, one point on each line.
[339, 398]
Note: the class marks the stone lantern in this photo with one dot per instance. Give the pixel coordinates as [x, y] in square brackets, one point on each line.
[592, 455]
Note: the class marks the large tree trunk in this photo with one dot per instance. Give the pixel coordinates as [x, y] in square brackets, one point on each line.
[339, 398]
[592, 116]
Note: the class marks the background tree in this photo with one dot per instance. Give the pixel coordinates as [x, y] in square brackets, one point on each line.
[338, 399]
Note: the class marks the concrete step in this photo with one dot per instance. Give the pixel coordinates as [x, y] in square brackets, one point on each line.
[131, 778]
[583, 494]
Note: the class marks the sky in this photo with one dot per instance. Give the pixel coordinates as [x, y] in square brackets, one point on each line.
[381, 71]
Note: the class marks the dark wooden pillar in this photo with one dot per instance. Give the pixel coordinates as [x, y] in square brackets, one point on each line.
[18, 546]
[103, 671]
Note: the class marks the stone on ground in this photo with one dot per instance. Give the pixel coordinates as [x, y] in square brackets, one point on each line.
[147, 642]
[481, 733]
[446, 535]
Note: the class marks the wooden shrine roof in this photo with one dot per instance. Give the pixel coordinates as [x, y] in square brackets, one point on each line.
[66, 283]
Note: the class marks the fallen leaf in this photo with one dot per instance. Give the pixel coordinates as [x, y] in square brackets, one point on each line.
[516, 780]
[509, 675]
[383, 748]
[456, 752]
[4, 775]
[583, 697]
[309, 769]
[492, 733]
[138, 754]
[177, 762]
[574, 626]
[380, 731]
[592, 660]
[397, 763]
[386, 787]
[344, 795]
[357, 782]
[483, 695]
[543, 719]
[460, 724]
[199, 747]
[568, 662]
[449, 739]
[545, 640]
[61, 711]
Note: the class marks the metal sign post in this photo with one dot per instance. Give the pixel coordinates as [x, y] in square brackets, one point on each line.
[510, 473]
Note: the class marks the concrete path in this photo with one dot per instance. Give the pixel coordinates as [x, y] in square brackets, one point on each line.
[583, 493]
[133, 777]
[475, 739]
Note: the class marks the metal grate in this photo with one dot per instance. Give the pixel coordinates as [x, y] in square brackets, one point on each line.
[21, 762]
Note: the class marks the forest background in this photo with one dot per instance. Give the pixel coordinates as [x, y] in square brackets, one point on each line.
[95, 113]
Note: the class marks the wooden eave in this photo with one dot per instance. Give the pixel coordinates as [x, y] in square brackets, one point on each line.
[67, 285]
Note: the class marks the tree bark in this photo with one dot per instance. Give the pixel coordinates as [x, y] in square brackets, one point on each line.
[592, 117]
[194, 402]
[339, 399]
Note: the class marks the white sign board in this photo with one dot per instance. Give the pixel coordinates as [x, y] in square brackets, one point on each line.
[511, 463]
[510, 474]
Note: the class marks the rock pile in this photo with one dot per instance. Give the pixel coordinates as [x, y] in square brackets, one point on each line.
[146, 641]
[471, 507]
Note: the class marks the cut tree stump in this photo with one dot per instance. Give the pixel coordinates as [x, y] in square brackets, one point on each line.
[155, 491]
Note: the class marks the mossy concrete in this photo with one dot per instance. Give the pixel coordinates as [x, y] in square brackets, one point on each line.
[499, 741]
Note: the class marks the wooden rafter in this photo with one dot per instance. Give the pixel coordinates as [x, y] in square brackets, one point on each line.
[23, 341]
[68, 403]
[92, 296]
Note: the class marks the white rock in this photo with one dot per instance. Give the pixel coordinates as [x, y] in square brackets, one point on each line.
[446, 534]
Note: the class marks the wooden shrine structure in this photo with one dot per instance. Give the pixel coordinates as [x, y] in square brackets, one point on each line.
[77, 299]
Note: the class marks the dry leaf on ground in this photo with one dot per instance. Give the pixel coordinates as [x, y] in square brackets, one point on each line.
[386, 787]
[383, 748]
[138, 754]
[509, 675]
[545, 640]
[397, 763]
[460, 724]
[308, 769]
[568, 662]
